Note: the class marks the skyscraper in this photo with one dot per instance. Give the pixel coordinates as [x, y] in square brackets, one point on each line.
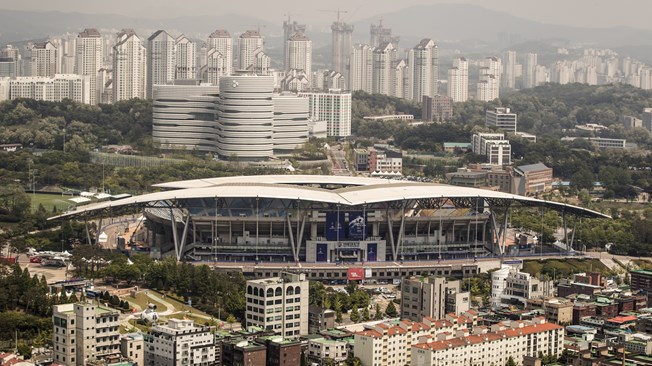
[291, 27]
[342, 35]
[424, 69]
[382, 67]
[88, 58]
[529, 76]
[380, 35]
[360, 68]
[249, 43]
[45, 59]
[129, 67]
[221, 41]
[509, 76]
[299, 53]
[186, 58]
[458, 80]
[160, 60]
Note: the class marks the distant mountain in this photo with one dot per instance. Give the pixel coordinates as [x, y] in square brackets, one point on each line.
[458, 22]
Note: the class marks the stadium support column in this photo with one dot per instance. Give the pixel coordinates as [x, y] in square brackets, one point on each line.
[97, 234]
[184, 236]
[88, 233]
[175, 235]
[390, 230]
[565, 223]
[290, 235]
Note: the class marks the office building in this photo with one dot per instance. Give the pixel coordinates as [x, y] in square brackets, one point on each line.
[424, 69]
[501, 119]
[494, 146]
[509, 74]
[385, 161]
[491, 346]
[458, 80]
[45, 59]
[510, 286]
[220, 46]
[361, 68]
[54, 89]
[432, 297]
[89, 53]
[438, 108]
[132, 346]
[84, 332]
[631, 122]
[342, 46]
[334, 107]
[383, 58]
[161, 60]
[178, 343]
[186, 58]
[533, 178]
[299, 54]
[249, 43]
[279, 304]
[290, 130]
[129, 67]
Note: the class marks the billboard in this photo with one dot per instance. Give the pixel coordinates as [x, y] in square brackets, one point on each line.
[335, 226]
[355, 274]
[372, 252]
[322, 252]
[357, 226]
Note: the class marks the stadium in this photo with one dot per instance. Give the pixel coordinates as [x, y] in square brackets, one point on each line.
[323, 219]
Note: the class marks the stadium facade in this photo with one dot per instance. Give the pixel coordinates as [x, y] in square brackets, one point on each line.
[323, 219]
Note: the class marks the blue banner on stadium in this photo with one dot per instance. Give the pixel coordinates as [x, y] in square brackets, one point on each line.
[357, 226]
[335, 226]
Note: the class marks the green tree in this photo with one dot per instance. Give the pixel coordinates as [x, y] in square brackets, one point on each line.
[583, 179]
[510, 361]
[378, 314]
[365, 314]
[390, 310]
[355, 315]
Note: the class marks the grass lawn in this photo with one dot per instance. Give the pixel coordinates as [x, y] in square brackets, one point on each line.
[562, 268]
[49, 201]
[142, 300]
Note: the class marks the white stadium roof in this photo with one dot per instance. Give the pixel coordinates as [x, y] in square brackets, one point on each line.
[356, 191]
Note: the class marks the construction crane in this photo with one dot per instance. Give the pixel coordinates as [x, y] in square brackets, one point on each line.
[338, 11]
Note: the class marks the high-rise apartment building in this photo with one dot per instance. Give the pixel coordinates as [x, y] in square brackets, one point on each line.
[501, 118]
[488, 87]
[279, 304]
[161, 60]
[509, 76]
[88, 58]
[249, 43]
[361, 68]
[220, 41]
[179, 343]
[186, 58]
[290, 27]
[298, 54]
[84, 332]
[432, 297]
[424, 69]
[342, 47]
[382, 69]
[334, 107]
[45, 59]
[129, 67]
[458, 80]
[380, 35]
[399, 84]
[529, 74]
[54, 89]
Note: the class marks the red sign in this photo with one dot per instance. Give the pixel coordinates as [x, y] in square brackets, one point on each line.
[355, 274]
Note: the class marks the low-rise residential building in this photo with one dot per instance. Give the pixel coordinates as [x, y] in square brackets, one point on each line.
[432, 297]
[491, 346]
[243, 352]
[132, 346]
[320, 349]
[180, 342]
[510, 286]
[320, 319]
[385, 160]
[361, 159]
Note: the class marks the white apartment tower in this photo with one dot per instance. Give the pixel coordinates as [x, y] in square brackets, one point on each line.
[249, 43]
[489, 80]
[221, 41]
[84, 332]
[360, 68]
[458, 80]
[342, 43]
[382, 67]
[160, 60]
[299, 53]
[279, 304]
[179, 343]
[55, 89]
[129, 67]
[400, 80]
[334, 107]
[424, 69]
[45, 59]
[186, 58]
[88, 58]
[509, 76]
[529, 75]
[215, 66]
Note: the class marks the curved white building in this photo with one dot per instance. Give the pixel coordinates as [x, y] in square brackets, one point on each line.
[290, 123]
[184, 117]
[246, 116]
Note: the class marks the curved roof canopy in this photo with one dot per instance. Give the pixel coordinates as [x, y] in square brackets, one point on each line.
[349, 191]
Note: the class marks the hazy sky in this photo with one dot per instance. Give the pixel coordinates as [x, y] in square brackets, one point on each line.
[587, 13]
